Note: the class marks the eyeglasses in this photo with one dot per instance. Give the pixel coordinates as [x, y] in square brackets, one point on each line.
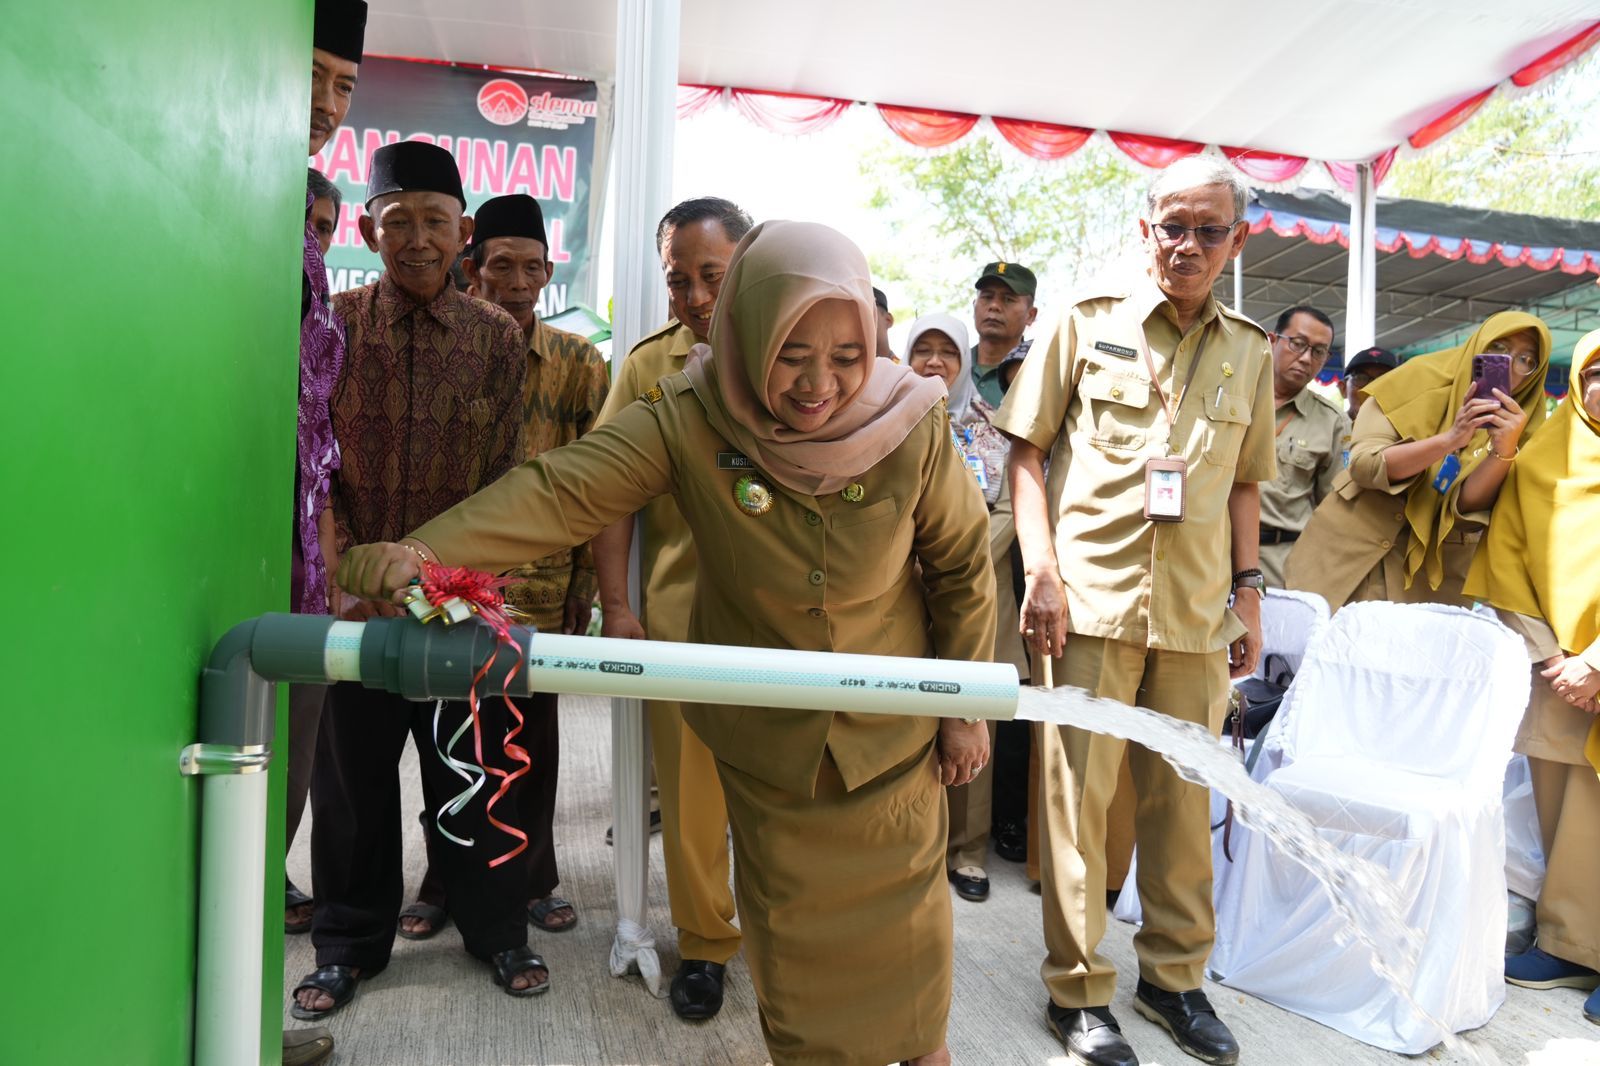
[1208, 236]
[1527, 362]
[1300, 346]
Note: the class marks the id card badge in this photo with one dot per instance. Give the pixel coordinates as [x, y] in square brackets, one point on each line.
[1165, 487]
[1449, 470]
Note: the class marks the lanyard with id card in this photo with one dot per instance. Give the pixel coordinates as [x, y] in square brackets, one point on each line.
[1166, 479]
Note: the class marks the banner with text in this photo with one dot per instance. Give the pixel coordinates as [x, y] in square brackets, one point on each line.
[509, 132]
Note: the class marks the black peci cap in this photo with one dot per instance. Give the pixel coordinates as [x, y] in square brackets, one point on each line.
[518, 215]
[414, 166]
[340, 27]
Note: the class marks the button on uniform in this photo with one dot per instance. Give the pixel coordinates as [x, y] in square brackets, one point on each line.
[813, 518]
[816, 577]
[816, 612]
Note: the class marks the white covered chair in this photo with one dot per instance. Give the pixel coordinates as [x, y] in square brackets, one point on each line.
[1289, 621]
[1395, 737]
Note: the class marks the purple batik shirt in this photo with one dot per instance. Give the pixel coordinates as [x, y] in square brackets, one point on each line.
[316, 452]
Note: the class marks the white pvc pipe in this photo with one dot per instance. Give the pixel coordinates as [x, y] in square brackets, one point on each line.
[233, 869]
[751, 677]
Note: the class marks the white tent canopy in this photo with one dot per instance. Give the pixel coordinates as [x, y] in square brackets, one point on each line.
[1327, 79]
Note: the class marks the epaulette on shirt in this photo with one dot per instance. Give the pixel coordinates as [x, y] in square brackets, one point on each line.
[1224, 309]
[673, 383]
[1333, 405]
[656, 334]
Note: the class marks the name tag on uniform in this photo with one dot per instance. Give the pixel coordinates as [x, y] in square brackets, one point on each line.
[1115, 349]
[733, 461]
[1164, 489]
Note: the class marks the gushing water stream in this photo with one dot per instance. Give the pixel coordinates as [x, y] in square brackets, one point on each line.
[1368, 903]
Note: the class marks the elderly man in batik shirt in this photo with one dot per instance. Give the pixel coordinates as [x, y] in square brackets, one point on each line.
[508, 264]
[428, 411]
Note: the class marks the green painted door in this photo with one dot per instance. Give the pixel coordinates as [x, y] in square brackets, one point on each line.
[152, 181]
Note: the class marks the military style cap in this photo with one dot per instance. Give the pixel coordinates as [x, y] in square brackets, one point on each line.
[1018, 278]
[880, 299]
[340, 27]
[414, 166]
[1372, 357]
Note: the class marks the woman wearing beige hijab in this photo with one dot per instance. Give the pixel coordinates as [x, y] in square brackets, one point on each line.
[1427, 458]
[830, 512]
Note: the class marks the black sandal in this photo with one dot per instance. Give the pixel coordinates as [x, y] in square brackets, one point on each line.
[437, 917]
[513, 961]
[293, 897]
[539, 914]
[337, 981]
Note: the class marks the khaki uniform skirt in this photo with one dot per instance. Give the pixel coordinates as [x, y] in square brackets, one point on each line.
[845, 912]
[1566, 791]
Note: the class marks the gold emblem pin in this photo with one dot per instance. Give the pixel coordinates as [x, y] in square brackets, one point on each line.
[853, 492]
[1227, 370]
[752, 496]
[1000, 268]
[653, 394]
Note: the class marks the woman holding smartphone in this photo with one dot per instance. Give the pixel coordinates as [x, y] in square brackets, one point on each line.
[1427, 458]
[1537, 566]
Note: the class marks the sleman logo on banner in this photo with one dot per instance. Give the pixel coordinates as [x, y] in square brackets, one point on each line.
[503, 102]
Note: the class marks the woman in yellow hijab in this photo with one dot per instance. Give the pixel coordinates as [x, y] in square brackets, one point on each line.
[1537, 566]
[1427, 458]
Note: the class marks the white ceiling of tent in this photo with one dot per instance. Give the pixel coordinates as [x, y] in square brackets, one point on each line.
[1329, 79]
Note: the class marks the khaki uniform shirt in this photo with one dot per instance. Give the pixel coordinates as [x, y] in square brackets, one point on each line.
[666, 549]
[1311, 440]
[903, 571]
[1361, 526]
[1088, 402]
[561, 398]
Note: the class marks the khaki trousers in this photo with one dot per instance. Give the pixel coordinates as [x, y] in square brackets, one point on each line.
[971, 814]
[694, 838]
[1273, 559]
[1078, 780]
[846, 912]
[1568, 800]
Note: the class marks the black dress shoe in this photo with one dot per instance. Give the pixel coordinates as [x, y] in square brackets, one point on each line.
[1011, 841]
[697, 989]
[1191, 1021]
[971, 888]
[1091, 1036]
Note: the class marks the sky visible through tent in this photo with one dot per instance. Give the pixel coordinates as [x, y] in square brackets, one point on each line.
[819, 179]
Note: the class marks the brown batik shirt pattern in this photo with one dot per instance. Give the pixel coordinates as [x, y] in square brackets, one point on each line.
[428, 409]
[562, 394]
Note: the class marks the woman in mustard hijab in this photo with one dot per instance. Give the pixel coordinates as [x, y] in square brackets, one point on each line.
[1427, 458]
[1538, 567]
[830, 512]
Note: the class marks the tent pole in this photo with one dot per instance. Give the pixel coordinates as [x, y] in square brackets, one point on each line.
[1238, 282]
[1361, 292]
[646, 114]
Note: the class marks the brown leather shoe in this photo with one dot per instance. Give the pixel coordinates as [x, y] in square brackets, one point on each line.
[306, 1047]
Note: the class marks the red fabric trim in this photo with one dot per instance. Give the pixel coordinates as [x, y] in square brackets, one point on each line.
[695, 99]
[1345, 173]
[926, 128]
[1042, 140]
[1451, 248]
[791, 114]
[1449, 120]
[1557, 57]
[1158, 152]
[1265, 166]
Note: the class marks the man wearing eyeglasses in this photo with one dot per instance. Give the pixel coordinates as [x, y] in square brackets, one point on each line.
[1310, 430]
[1153, 404]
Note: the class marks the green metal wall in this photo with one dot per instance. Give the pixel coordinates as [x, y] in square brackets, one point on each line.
[152, 185]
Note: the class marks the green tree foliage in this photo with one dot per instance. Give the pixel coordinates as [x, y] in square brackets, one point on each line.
[953, 211]
[1535, 153]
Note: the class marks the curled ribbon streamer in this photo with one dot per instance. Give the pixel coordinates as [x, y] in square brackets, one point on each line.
[482, 593]
[462, 769]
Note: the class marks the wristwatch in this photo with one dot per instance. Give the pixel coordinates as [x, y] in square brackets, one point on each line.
[1251, 579]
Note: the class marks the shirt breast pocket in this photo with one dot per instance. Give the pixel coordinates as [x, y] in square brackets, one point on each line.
[1110, 400]
[1227, 418]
